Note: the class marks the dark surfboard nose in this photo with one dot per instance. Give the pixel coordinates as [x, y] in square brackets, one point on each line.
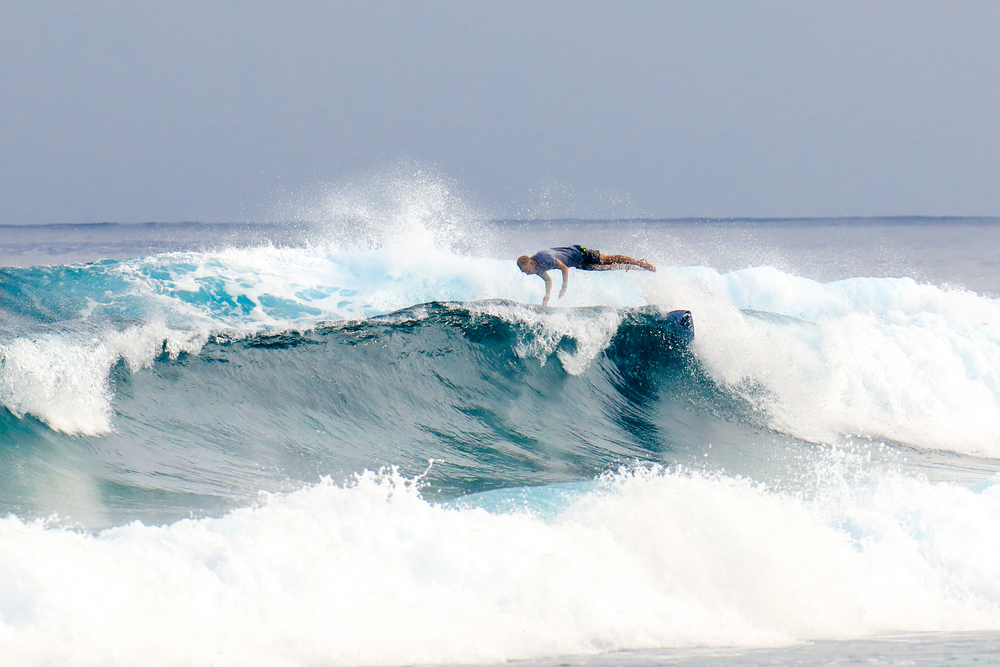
[680, 326]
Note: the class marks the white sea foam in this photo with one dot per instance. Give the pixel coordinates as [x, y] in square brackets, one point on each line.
[373, 574]
[62, 378]
[407, 206]
[282, 287]
[883, 356]
[545, 330]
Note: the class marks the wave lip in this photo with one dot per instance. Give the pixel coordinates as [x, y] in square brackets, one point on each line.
[64, 378]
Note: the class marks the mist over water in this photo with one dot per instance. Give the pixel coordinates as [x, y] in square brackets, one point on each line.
[288, 442]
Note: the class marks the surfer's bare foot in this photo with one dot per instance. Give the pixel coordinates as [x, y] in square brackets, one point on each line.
[644, 263]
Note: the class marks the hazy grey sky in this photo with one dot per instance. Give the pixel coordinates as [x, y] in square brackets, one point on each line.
[135, 111]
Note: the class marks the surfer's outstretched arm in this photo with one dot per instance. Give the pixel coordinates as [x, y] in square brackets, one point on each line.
[565, 272]
[548, 286]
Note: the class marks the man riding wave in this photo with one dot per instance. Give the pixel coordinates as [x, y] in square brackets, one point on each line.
[578, 257]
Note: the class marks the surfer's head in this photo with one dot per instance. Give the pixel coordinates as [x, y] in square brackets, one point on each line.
[526, 264]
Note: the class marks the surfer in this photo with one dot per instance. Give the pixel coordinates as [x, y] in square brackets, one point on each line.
[586, 259]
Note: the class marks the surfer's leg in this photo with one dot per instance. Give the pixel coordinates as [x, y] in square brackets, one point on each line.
[622, 262]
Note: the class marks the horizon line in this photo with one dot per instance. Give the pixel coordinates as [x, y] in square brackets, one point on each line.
[703, 219]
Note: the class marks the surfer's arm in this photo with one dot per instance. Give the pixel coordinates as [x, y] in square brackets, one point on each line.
[565, 272]
[548, 286]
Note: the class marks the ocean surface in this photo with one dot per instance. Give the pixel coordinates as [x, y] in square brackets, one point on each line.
[360, 440]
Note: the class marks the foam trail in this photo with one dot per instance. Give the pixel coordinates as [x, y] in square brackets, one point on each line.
[373, 574]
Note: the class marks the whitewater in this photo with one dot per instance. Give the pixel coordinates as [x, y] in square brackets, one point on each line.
[358, 439]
